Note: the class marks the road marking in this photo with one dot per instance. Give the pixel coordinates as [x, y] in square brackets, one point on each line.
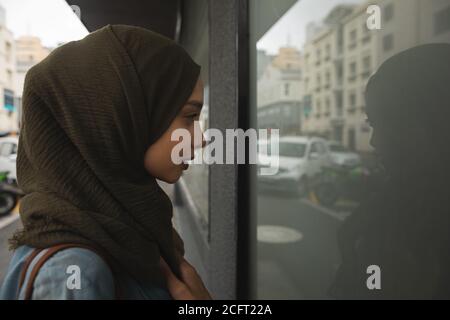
[6, 221]
[340, 216]
[278, 234]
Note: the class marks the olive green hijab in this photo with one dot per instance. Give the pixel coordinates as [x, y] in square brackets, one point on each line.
[90, 111]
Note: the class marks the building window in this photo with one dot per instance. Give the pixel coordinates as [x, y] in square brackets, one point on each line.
[352, 100]
[318, 109]
[366, 34]
[8, 51]
[339, 103]
[367, 65]
[353, 40]
[307, 105]
[9, 75]
[327, 107]
[319, 81]
[352, 71]
[327, 80]
[351, 139]
[442, 21]
[8, 98]
[388, 42]
[339, 72]
[352, 103]
[388, 12]
[327, 52]
[318, 58]
[286, 89]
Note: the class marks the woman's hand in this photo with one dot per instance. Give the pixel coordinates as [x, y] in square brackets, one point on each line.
[190, 287]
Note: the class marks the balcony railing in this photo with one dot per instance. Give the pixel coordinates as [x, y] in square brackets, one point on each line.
[352, 45]
[365, 74]
[351, 110]
[337, 120]
[352, 78]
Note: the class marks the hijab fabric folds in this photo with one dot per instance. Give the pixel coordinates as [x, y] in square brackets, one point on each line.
[90, 111]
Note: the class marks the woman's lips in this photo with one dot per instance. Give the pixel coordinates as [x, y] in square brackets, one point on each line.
[186, 162]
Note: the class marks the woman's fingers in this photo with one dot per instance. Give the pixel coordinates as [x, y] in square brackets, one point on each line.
[193, 281]
[190, 287]
[176, 287]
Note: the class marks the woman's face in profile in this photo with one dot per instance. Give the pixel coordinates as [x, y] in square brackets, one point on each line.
[401, 142]
[157, 160]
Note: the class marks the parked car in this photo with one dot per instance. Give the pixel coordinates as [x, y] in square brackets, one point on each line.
[8, 155]
[300, 160]
[341, 156]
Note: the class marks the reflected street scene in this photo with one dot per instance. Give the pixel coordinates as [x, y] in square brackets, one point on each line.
[357, 89]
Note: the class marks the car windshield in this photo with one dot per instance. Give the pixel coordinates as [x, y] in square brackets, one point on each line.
[337, 148]
[292, 149]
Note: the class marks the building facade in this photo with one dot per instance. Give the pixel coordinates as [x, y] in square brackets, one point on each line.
[29, 51]
[279, 105]
[8, 110]
[341, 56]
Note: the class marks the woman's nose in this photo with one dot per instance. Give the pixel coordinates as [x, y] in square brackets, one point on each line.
[200, 144]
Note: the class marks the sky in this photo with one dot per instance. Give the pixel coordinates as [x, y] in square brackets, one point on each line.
[292, 25]
[51, 20]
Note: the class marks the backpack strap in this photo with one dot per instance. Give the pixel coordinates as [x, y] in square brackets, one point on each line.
[28, 261]
[47, 255]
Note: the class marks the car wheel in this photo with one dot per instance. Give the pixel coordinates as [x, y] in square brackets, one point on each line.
[8, 202]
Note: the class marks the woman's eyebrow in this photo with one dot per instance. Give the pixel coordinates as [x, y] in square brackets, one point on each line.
[195, 103]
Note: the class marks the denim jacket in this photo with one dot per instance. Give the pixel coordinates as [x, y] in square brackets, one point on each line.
[54, 282]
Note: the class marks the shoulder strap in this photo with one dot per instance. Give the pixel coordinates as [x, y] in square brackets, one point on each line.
[47, 255]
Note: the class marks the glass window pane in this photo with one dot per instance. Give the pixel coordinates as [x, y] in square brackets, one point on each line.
[358, 207]
[195, 40]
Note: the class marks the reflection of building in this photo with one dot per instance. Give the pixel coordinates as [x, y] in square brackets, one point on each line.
[29, 51]
[341, 56]
[359, 61]
[280, 92]
[8, 116]
[421, 22]
[323, 112]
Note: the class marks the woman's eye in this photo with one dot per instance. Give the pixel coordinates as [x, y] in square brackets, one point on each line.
[193, 115]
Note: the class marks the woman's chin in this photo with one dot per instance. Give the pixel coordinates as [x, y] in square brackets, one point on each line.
[171, 179]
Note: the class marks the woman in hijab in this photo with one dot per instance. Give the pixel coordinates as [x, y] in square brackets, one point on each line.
[95, 134]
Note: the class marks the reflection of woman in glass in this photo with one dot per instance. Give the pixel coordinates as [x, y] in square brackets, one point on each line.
[97, 120]
[405, 229]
